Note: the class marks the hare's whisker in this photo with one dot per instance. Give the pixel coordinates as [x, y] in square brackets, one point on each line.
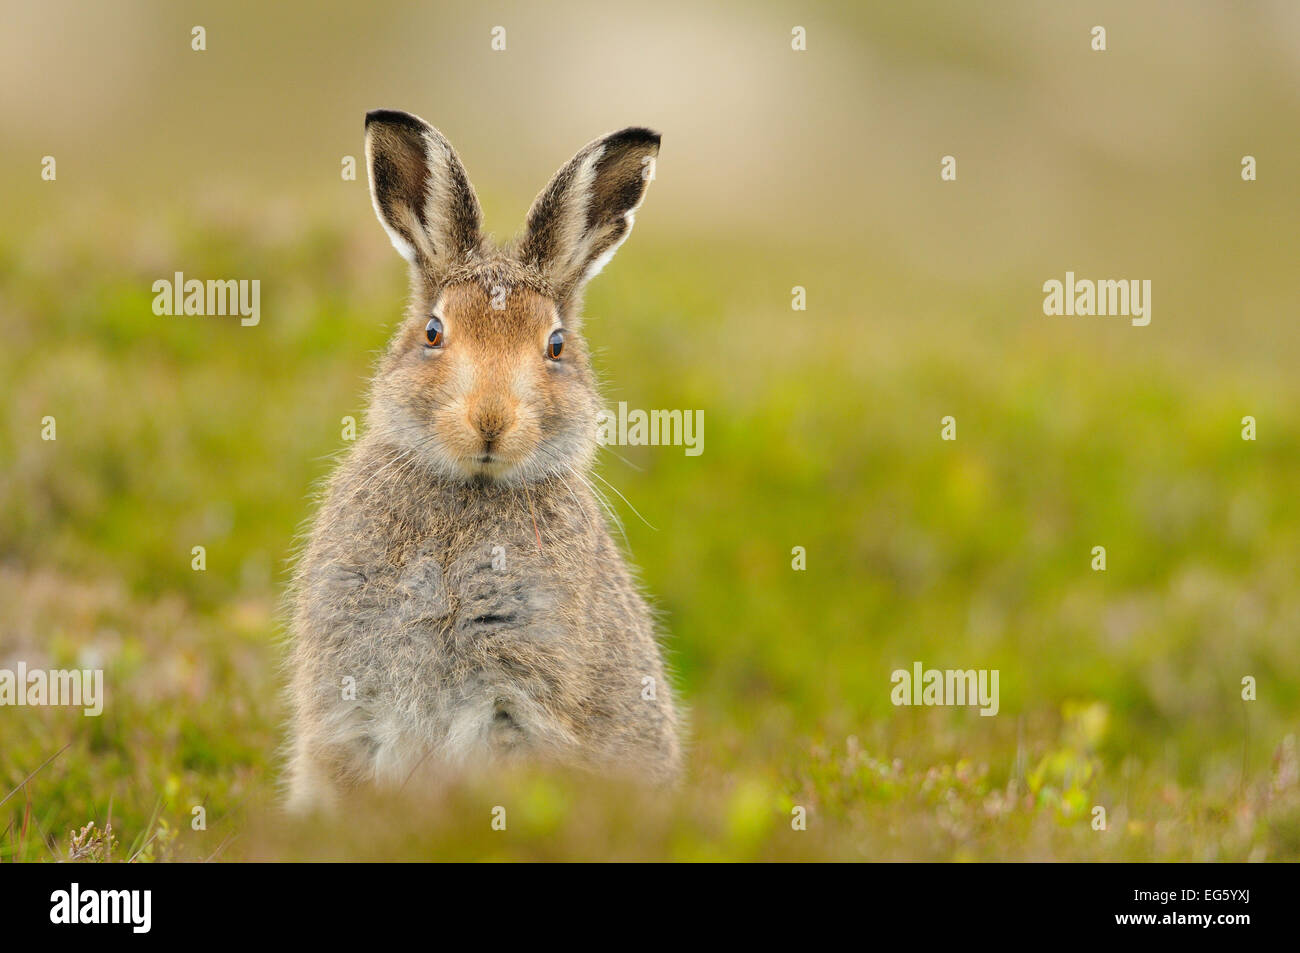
[624, 499]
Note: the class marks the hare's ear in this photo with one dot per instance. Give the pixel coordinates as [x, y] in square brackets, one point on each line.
[580, 219]
[420, 191]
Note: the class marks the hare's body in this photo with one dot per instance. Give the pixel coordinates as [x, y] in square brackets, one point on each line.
[460, 600]
[466, 641]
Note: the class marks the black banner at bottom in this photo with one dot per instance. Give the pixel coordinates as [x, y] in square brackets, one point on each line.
[335, 902]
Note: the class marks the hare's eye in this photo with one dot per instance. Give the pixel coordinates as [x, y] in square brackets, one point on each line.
[555, 345]
[433, 333]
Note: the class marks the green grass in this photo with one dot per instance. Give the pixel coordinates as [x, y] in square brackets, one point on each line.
[1119, 689]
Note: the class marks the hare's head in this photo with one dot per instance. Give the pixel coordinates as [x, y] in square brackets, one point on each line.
[488, 378]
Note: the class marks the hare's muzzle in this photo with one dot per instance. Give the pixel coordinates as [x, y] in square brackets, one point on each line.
[491, 420]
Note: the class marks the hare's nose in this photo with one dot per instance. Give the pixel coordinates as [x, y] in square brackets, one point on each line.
[491, 421]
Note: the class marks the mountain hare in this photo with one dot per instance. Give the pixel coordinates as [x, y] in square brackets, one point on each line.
[460, 599]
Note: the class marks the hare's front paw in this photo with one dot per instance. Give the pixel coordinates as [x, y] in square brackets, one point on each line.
[499, 594]
[422, 588]
[345, 577]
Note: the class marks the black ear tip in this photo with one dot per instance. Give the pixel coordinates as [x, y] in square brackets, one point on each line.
[394, 117]
[637, 136]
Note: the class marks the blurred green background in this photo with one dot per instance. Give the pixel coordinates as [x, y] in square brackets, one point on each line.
[778, 168]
